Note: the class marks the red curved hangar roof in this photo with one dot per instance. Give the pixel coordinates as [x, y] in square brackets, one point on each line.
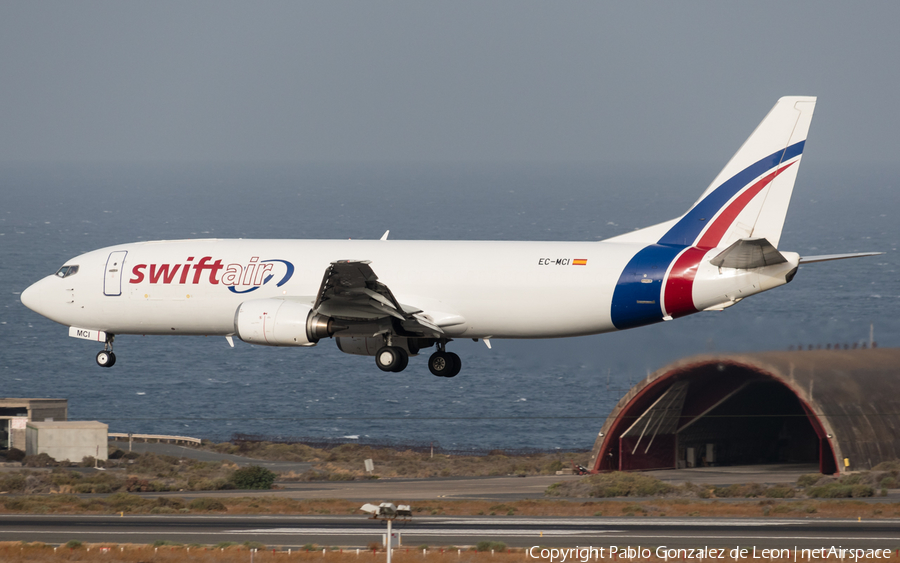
[837, 408]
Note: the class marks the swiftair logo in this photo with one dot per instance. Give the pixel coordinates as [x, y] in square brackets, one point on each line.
[239, 278]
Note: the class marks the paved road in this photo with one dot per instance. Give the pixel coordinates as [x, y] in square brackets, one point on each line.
[358, 531]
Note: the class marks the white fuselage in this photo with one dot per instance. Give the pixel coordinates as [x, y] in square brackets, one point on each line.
[498, 289]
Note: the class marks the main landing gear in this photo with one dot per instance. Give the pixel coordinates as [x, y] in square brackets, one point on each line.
[106, 358]
[443, 363]
[391, 358]
[395, 359]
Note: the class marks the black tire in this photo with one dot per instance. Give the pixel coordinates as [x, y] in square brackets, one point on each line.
[112, 359]
[442, 364]
[387, 358]
[105, 359]
[403, 362]
[457, 364]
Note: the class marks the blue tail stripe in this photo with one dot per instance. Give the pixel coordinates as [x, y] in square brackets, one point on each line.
[686, 231]
[637, 302]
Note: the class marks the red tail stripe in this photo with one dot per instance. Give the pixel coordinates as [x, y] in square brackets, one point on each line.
[715, 232]
[678, 296]
[679, 299]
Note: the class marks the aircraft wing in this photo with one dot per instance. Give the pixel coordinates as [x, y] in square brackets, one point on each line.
[350, 290]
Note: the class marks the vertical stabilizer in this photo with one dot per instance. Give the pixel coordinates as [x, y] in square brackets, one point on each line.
[750, 196]
[746, 202]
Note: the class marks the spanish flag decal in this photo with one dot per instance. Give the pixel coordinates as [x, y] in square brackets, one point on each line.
[579, 262]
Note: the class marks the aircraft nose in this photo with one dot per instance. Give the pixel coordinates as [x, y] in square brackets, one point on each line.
[29, 297]
[35, 297]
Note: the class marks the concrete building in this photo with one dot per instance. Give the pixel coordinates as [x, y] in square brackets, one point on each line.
[67, 440]
[837, 408]
[16, 413]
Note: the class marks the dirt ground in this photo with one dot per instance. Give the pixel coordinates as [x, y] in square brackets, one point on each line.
[110, 553]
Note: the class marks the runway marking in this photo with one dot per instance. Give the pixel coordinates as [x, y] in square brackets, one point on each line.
[666, 522]
[356, 531]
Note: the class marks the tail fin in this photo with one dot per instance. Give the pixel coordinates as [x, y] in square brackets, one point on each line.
[750, 196]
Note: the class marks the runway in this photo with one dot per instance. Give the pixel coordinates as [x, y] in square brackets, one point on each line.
[358, 531]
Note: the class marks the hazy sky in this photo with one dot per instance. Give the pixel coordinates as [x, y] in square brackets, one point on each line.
[440, 81]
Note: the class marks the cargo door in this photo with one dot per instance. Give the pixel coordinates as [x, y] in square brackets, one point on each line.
[112, 283]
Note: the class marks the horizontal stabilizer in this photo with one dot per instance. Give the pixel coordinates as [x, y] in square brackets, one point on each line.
[746, 254]
[829, 257]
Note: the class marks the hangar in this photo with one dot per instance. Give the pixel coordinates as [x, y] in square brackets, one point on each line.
[837, 408]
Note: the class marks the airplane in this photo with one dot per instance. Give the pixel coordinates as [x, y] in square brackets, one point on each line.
[428, 293]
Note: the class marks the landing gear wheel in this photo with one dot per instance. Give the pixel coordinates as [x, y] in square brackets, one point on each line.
[106, 359]
[457, 364]
[404, 361]
[444, 364]
[391, 358]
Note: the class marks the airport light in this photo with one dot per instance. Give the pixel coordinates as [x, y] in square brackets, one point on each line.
[388, 512]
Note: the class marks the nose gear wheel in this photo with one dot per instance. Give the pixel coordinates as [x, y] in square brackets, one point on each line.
[106, 359]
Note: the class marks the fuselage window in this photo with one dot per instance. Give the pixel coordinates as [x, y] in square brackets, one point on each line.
[67, 271]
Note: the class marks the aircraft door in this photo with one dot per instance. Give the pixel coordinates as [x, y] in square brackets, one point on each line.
[112, 283]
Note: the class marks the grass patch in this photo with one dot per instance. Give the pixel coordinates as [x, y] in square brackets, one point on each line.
[622, 484]
[490, 546]
[346, 462]
[207, 505]
[615, 484]
[131, 473]
[841, 490]
[252, 477]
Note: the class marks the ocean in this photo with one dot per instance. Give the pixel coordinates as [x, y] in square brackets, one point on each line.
[541, 394]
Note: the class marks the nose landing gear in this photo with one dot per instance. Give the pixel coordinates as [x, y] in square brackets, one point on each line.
[106, 358]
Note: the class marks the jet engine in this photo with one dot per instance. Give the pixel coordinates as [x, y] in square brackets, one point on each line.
[280, 322]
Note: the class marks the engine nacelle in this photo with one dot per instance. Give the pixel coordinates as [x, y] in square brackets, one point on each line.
[363, 346]
[280, 322]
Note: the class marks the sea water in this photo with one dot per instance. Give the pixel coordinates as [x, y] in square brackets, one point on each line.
[519, 394]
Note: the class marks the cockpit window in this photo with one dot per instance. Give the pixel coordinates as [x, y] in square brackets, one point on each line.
[67, 271]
